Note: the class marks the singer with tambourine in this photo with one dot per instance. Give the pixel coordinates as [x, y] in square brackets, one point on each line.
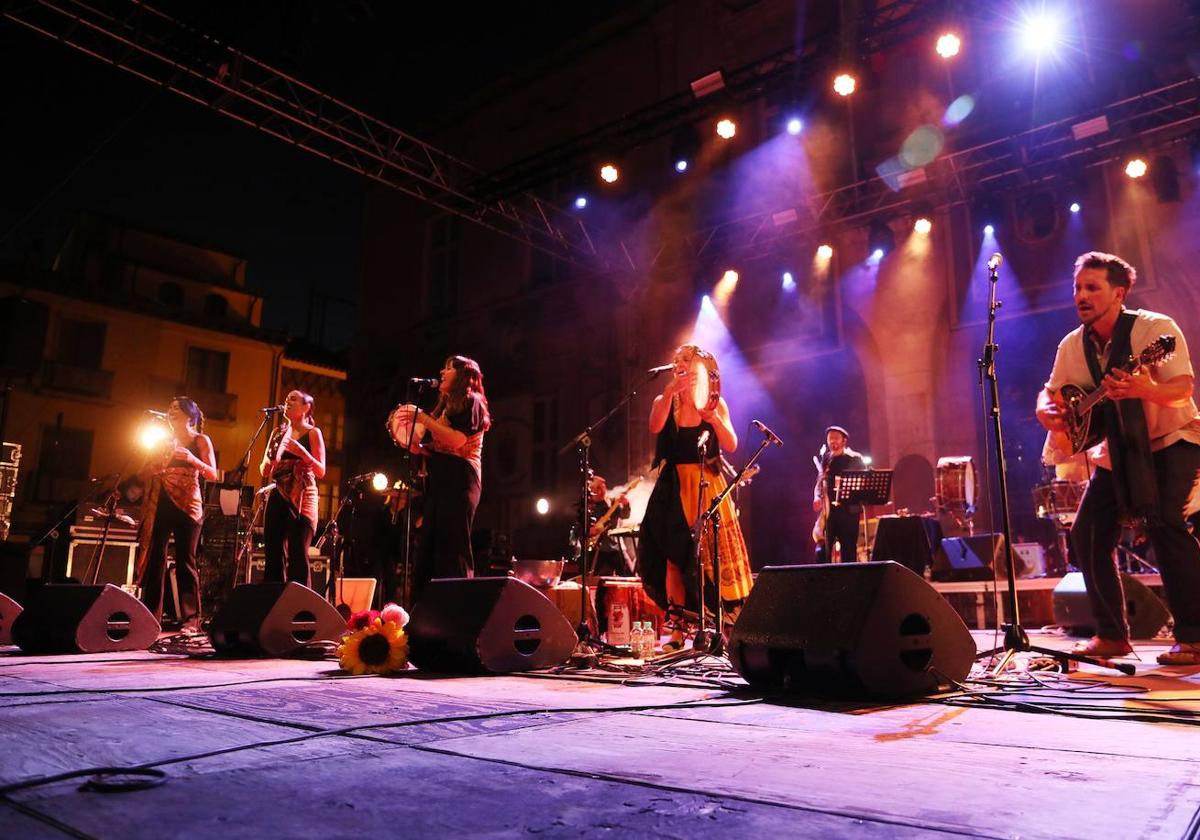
[455, 429]
[294, 461]
[173, 506]
[692, 423]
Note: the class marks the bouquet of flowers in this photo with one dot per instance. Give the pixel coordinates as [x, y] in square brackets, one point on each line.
[375, 642]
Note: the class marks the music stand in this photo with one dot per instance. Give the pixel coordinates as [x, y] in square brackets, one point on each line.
[862, 487]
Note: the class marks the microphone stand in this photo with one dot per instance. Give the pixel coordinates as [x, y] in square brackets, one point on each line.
[1015, 638]
[237, 476]
[583, 440]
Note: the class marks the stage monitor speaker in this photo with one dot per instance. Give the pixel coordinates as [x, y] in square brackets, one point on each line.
[273, 619]
[874, 629]
[9, 610]
[1073, 609]
[70, 618]
[487, 625]
[970, 558]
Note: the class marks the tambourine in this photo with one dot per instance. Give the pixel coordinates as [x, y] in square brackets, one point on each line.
[403, 431]
[706, 390]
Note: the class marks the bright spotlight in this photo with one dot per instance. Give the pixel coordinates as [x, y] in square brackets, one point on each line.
[681, 165]
[379, 482]
[948, 45]
[725, 286]
[726, 128]
[730, 276]
[1040, 33]
[877, 255]
[580, 202]
[789, 282]
[825, 252]
[542, 506]
[988, 230]
[794, 126]
[1074, 208]
[609, 173]
[867, 459]
[922, 225]
[1136, 167]
[153, 435]
[844, 84]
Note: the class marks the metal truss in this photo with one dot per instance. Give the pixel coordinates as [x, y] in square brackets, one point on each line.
[139, 39]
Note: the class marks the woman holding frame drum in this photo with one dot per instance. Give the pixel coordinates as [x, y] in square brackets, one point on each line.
[692, 422]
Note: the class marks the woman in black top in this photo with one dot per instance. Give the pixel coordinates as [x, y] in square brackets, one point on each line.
[294, 461]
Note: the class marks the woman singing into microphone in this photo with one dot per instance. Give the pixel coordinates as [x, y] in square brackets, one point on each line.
[294, 461]
[174, 500]
[665, 546]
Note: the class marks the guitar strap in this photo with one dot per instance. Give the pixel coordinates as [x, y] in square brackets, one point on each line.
[1127, 433]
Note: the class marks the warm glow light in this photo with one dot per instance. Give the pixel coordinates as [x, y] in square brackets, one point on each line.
[1136, 168]
[726, 128]
[542, 506]
[725, 287]
[825, 252]
[153, 435]
[609, 173]
[844, 84]
[922, 226]
[730, 276]
[379, 482]
[948, 45]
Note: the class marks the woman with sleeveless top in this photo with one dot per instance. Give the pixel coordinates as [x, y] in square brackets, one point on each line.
[294, 461]
[665, 547]
[178, 510]
[456, 428]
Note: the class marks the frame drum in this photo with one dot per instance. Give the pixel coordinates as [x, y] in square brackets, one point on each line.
[706, 392]
[955, 483]
[403, 432]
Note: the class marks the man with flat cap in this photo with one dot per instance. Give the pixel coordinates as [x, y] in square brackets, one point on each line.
[840, 520]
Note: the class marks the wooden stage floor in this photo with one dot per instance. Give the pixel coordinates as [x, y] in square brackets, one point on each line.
[259, 749]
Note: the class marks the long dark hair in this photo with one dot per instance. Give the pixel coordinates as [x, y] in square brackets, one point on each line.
[188, 406]
[469, 379]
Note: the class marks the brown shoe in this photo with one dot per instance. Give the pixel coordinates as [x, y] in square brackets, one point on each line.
[1181, 653]
[1103, 648]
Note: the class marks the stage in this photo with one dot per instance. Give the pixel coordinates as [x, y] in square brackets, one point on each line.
[264, 748]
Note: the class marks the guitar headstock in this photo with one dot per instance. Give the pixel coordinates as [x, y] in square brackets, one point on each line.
[1157, 351]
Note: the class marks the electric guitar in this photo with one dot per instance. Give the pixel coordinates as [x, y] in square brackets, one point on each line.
[601, 525]
[1078, 404]
[818, 531]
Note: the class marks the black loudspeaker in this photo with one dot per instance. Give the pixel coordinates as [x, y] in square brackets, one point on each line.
[969, 558]
[273, 619]
[482, 625]
[1073, 609]
[68, 618]
[872, 629]
[9, 610]
[904, 539]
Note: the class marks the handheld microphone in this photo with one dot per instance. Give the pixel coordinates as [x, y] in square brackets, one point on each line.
[660, 369]
[771, 436]
[161, 415]
[703, 439]
[271, 409]
[994, 261]
[425, 383]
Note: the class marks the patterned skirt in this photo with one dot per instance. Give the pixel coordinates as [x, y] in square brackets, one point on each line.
[731, 546]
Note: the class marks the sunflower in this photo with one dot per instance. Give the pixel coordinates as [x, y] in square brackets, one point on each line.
[379, 648]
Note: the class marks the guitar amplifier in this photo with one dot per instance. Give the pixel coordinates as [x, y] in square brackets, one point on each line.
[116, 564]
[318, 565]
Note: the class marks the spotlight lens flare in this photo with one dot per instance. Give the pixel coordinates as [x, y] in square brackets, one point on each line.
[1074, 208]
[825, 252]
[379, 482]
[609, 173]
[922, 226]
[988, 230]
[152, 435]
[726, 128]
[542, 506]
[580, 202]
[794, 126]
[948, 45]
[681, 165]
[1040, 33]
[844, 84]
[1136, 168]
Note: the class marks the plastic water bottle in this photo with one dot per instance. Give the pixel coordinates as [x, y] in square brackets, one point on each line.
[649, 637]
[635, 640]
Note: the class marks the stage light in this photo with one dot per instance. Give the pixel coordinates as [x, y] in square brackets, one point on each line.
[726, 128]
[1136, 167]
[948, 45]
[681, 165]
[825, 252]
[922, 226]
[877, 255]
[844, 84]
[794, 126]
[609, 173]
[1074, 208]
[867, 460]
[542, 506]
[379, 482]
[580, 202]
[789, 282]
[725, 286]
[1040, 33]
[988, 230]
[153, 435]
[880, 237]
[730, 276]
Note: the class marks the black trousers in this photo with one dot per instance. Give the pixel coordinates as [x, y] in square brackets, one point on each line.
[170, 520]
[1096, 532]
[841, 527]
[288, 535]
[444, 549]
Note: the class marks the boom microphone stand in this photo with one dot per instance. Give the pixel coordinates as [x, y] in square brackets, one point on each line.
[1015, 639]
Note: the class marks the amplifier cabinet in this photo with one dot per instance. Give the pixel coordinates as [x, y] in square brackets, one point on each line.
[117, 565]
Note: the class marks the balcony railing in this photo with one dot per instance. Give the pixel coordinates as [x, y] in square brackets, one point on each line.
[215, 404]
[73, 379]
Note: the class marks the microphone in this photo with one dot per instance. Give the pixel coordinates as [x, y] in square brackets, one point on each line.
[655, 371]
[160, 415]
[271, 409]
[994, 261]
[703, 439]
[425, 383]
[771, 436]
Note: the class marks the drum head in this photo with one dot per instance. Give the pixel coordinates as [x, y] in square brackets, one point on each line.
[955, 482]
[403, 432]
[706, 392]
